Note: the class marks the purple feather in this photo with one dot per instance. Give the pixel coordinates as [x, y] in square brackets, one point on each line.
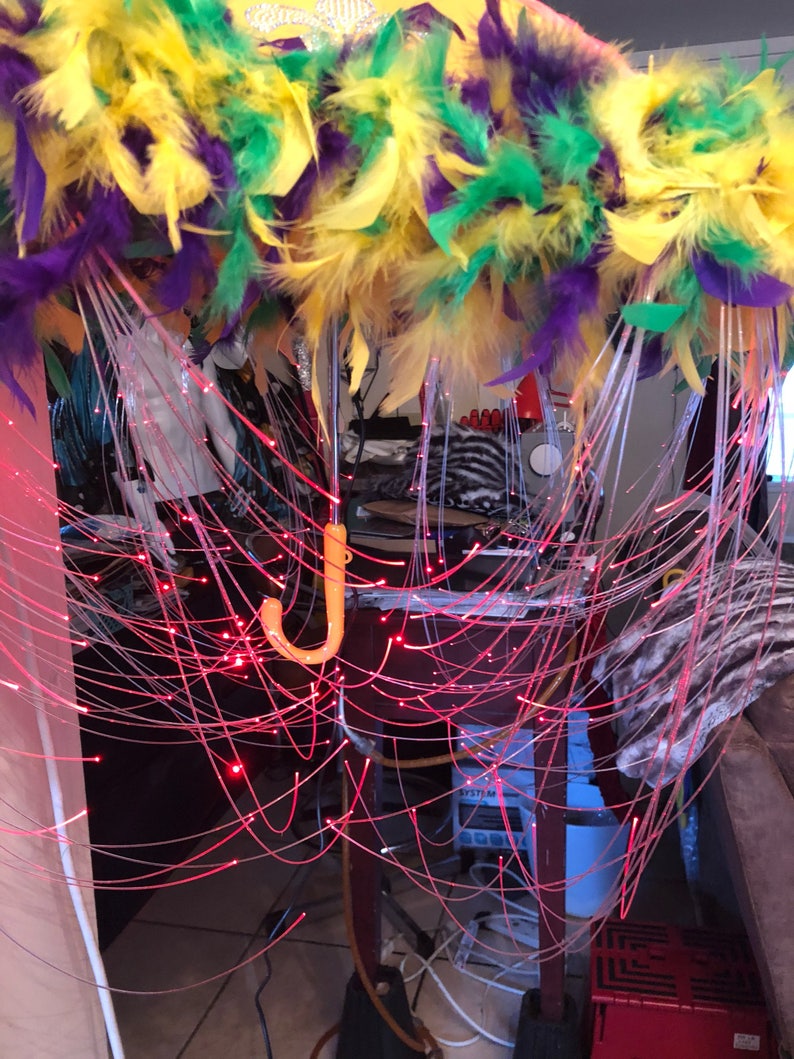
[333, 149]
[24, 282]
[292, 205]
[29, 18]
[423, 17]
[494, 36]
[564, 66]
[510, 306]
[475, 93]
[725, 282]
[287, 44]
[29, 182]
[570, 294]
[16, 73]
[33, 278]
[213, 153]
[651, 357]
[193, 260]
[138, 139]
[608, 165]
[29, 185]
[436, 189]
[16, 333]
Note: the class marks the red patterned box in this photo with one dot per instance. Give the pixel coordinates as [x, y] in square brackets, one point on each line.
[663, 992]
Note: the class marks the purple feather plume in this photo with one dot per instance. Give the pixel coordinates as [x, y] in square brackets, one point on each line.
[333, 149]
[28, 186]
[475, 93]
[437, 189]
[25, 282]
[569, 294]
[29, 18]
[216, 157]
[193, 261]
[423, 17]
[760, 291]
[29, 181]
[494, 36]
[652, 357]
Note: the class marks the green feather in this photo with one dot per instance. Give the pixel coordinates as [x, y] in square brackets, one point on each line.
[567, 149]
[55, 371]
[736, 252]
[451, 290]
[386, 47]
[652, 316]
[238, 268]
[471, 130]
[512, 174]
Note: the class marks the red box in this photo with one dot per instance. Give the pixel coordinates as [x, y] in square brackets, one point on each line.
[663, 992]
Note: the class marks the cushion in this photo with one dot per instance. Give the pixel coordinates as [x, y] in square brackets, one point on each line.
[757, 830]
[772, 716]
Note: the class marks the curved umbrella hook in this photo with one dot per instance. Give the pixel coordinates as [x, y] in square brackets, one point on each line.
[335, 555]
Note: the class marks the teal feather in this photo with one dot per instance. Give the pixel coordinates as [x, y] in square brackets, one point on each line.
[386, 47]
[513, 174]
[451, 290]
[567, 149]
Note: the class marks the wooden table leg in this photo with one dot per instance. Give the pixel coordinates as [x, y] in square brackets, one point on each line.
[365, 866]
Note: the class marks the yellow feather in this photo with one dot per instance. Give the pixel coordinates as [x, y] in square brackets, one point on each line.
[358, 354]
[645, 236]
[68, 92]
[55, 320]
[260, 227]
[174, 181]
[362, 207]
[475, 342]
[298, 145]
[297, 151]
[685, 360]
[455, 169]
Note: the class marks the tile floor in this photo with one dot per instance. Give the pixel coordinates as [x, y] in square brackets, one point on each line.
[189, 971]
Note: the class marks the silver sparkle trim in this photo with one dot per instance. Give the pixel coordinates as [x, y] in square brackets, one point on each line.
[303, 362]
[337, 19]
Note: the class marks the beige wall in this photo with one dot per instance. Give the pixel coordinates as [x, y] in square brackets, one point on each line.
[44, 1012]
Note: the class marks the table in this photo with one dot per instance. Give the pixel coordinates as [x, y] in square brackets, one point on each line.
[540, 641]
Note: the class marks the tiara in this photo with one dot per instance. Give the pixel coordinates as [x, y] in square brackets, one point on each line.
[338, 19]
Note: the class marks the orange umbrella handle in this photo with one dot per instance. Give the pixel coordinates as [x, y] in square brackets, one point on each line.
[335, 555]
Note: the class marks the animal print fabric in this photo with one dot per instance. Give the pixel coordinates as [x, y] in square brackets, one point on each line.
[466, 468]
[711, 646]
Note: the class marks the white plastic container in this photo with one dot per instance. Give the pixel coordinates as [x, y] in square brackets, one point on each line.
[595, 849]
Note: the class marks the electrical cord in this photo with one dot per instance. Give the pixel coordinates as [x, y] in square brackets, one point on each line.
[326, 1037]
[259, 1011]
[426, 967]
[485, 887]
[269, 970]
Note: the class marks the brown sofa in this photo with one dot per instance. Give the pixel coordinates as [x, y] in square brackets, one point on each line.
[748, 812]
